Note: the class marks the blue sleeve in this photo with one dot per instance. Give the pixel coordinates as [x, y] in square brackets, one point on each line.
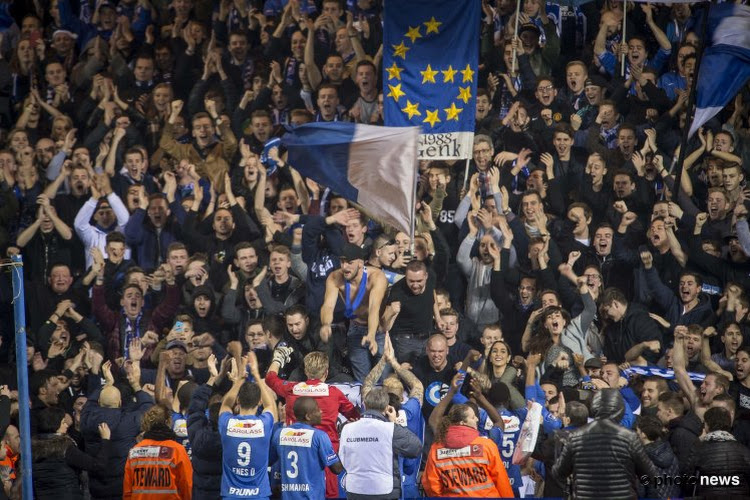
[223, 420]
[608, 62]
[459, 399]
[628, 420]
[267, 419]
[535, 393]
[660, 59]
[134, 228]
[273, 450]
[179, 213]
[550, 423]
[141, 22]
[326, 455]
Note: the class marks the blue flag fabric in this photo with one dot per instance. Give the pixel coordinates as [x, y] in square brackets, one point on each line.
[430, 58]
[375, 167]
[725, 66]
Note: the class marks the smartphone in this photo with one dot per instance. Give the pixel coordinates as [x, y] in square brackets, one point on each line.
[179, 326]
[34, 37]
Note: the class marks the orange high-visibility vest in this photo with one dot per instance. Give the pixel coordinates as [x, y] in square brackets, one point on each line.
[158, 470]
[476, 470]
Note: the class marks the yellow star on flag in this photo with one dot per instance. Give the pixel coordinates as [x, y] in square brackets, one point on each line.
[411, 109]
[394, 72]
[448, 74]
[432, 25]
[432, 117]
[464, 93]
[400, 50]
[468, 74]
[395, 92]
[452, 112]
[413, 34]
[428, 75]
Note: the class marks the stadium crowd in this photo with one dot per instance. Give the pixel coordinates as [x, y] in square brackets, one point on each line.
[202, 320]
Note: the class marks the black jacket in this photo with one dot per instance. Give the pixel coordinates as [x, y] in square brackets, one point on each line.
[664, 459]
[56, 463]
[205, 442]
[635, 327]
[718, 454]
[683, 433]
[125, 424]
[603, 458]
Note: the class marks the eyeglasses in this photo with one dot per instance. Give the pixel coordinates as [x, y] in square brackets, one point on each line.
[546, 88]
[485, 151]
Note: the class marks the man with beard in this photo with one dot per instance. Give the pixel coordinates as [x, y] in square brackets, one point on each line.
[362, 289]
[653, 387]
[479, 307]
[365, 108]
[209, 154]
[740, 387]
[150, 237]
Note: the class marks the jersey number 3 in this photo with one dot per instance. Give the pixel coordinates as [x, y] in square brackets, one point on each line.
[293, 472]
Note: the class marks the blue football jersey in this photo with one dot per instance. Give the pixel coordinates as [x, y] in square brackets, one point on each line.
[303, 454]
[179, 426]
[506, 441]
[245, 441]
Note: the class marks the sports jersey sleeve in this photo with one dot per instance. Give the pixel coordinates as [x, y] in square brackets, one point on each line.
[326, 455]
[276, 384]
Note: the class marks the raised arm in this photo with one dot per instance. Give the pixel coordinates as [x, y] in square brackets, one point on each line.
[329, 304]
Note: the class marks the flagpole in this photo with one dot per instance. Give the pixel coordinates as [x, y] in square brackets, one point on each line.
[515, 35]
[690, 113]
[466, 173]
[624, 26]
[414, 208]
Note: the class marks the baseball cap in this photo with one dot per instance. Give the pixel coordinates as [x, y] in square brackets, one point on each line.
[176, 344]
[595, 81]
[351, 252]
[64, 32]
[529, 27]
[593, 363]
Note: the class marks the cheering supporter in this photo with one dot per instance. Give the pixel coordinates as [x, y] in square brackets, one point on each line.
[189, 273]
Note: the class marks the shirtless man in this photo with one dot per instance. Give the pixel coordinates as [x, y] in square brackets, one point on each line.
[362, 289]
[716, 381]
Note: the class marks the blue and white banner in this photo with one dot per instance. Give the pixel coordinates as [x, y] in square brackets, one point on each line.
[430, 58]
[725, 66]
[653, 371]
[375, 167]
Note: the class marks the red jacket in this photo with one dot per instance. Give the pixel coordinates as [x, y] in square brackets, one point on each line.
[330, 400]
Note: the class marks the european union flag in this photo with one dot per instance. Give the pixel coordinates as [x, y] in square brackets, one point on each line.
[430, 58]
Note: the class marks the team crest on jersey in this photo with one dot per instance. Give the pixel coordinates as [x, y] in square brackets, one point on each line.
[245, 428]
[297, 437]
[317, 390]
[150, 452]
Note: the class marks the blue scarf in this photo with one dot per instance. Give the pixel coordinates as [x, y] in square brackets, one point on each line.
[349, 307]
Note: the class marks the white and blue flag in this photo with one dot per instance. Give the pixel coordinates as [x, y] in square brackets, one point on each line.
[725, 66]
[373, 166]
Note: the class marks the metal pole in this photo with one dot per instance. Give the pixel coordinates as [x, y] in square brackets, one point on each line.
[22, 375]
[466, 172]
[689, 114]
[624, 26]
[515, 35]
